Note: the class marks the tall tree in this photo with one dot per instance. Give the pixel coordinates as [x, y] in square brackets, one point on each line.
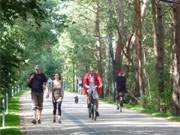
[176, 58]
[99, 39]
[138, 47]
[158, 34]
[120, 28]
[110, 30]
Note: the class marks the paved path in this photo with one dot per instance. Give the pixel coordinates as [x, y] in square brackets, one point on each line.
[76, 122]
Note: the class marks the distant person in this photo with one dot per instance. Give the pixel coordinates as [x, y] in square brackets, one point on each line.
[80, 84]
[49, 83]
[120, 86]
[36, 82]
[92, 82]
[76, 99]
[57, 96]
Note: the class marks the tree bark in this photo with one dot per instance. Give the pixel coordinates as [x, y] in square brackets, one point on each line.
[99, 41]
[120, 26]
[100, 47]
[138, 47]
[159, 47]
[176, 57]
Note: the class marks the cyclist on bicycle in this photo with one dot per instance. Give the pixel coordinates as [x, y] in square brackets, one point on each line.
[120, 86]
[93, 84]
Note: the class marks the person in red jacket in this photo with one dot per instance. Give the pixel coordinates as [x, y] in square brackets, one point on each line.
[92, 83]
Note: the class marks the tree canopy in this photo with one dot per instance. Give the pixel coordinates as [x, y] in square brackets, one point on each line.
[69, 36]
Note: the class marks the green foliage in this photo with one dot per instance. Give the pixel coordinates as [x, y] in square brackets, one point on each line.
[28, 31]
[13, 9]
[61, 36]
[10, 57]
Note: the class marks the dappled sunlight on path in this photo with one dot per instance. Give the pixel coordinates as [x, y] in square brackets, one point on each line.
[76, 122]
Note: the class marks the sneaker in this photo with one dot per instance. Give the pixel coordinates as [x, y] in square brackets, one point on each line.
[88, 105]
[39, 121]
[34, 121]
[121, 109]
[97, 114]
[89, 115]
[59, 121]
[54, 120]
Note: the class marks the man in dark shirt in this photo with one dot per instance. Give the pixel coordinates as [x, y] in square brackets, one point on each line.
[120, 86]
[36, 82]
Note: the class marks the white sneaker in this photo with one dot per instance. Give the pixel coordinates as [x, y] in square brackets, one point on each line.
[59, 119]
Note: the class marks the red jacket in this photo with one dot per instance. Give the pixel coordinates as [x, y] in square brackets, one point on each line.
[97, 82]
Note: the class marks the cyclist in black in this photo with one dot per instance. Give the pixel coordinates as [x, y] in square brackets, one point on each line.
[120, 86]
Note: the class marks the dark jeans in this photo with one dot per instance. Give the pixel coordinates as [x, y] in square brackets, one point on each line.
[57, 105]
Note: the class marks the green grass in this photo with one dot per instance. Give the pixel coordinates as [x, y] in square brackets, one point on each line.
[140, 109]
[167, 116]
[12, 118]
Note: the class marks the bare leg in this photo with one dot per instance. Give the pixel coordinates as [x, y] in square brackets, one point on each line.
[34, 114]
[39, 114]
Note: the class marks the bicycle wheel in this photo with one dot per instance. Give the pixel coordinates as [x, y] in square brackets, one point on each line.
[92, 111]
[95, 114]
[89, 110]
[120, 104]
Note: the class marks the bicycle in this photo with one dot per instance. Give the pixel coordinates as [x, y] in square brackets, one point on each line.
[120, 101]
[92, 106]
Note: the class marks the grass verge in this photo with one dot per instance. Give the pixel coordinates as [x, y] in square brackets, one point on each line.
[12, 118]
[139, 108]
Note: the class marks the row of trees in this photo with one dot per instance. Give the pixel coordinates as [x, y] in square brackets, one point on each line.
[28, 34]
[140, 36]
[13, 15]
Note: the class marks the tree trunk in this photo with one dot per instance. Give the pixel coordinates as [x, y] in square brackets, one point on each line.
[111, 51]
[159, 47]
[100, 46]
[99, 41]
[138, 47]
[176, 58]
[120, 26]
[74, 78]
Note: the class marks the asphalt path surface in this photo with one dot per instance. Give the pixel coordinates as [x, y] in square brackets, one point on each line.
[75, 120]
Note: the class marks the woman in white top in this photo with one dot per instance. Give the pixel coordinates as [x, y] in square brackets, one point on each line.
[57, 96]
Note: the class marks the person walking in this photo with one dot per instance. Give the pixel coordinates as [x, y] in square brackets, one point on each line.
[57, 96]
[36, 81]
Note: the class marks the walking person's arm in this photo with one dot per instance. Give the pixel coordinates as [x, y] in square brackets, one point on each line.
[48, 89]
[85, 80]
[100, 82]
[29, 80]
[62, 89]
